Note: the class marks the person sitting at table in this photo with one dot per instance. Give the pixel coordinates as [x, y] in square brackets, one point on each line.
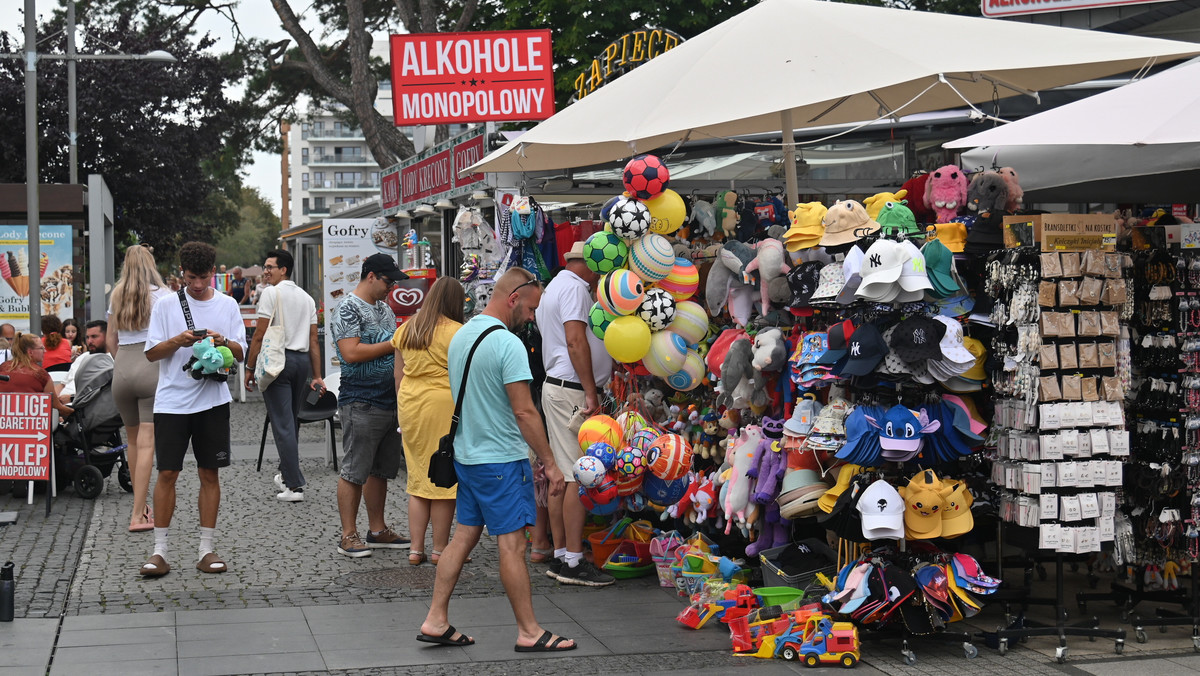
[25, 373]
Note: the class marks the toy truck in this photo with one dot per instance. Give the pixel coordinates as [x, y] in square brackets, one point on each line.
[822, 641]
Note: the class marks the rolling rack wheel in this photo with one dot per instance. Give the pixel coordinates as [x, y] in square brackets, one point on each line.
[1060, 654]
[1119, 646]
[970, 651]
[910, 658]
[1003, 646]
[1140, 634]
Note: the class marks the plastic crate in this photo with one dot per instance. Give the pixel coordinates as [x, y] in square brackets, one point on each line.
[825, 561]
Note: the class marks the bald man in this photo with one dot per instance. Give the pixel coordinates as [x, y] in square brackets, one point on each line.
[495, 479]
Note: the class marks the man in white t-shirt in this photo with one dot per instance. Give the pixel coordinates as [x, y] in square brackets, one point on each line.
[190, 410]
[289, 306]
[577, 366]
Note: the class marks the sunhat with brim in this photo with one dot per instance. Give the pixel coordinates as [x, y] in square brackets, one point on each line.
[939, 268]
[831, 282]
[832, 417]
[866, 350]
[799, 493]
[896, 217]
[802, 282]
[952, 342]
[881, 267]
[882, 511]
[976, 348]
[912, 274]
[575, 253]
[846, 474]
[845, 222]
[956, 306]
[803, 415]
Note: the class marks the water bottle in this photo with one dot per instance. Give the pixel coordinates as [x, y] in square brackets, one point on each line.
[8, 589]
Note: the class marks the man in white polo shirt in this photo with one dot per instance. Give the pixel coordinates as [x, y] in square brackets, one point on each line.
[577, 366]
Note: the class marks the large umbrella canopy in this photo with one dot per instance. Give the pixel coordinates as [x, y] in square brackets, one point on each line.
[823, 63]
[1139, 142]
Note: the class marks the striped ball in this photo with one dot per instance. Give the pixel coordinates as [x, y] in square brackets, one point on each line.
[631, 422]
[620, 292]
[683, 280]
[667, 354]
[628, 484]
[691, 322]
[599, 428]
[690, 376]
[669, 457]
[643, 439]
[652, 257]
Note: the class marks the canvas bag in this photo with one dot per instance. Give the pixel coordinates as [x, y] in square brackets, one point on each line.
[441, 463]
[271, 357]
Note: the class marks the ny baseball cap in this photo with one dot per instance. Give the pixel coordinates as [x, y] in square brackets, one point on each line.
[918, 337]
[865, 350]
[839, 342]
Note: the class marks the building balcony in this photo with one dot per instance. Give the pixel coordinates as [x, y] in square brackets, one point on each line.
[316, 211]
[332, 186]
[342, 160]
[332, 134]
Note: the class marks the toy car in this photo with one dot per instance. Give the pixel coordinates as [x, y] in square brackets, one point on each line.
[823, 641]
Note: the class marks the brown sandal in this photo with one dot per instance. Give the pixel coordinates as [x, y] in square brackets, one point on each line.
[157, 566]
[211, 563]
[416, 558]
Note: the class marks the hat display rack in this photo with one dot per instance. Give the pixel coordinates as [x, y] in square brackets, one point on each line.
[1060, 425]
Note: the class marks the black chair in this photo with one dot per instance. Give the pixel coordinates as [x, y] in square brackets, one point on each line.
[324, 410]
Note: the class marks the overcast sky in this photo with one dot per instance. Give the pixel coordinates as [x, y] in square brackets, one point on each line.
[257, 19]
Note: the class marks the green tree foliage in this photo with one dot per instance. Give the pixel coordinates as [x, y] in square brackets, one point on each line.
[257, 232]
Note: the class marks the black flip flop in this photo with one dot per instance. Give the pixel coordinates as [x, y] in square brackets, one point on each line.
[545, 645]
[444, 639]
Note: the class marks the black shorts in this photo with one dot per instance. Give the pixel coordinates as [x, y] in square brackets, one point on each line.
[208, 432]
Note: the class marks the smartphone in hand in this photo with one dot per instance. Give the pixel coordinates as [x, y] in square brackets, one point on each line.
[313, 397]
[200, 332]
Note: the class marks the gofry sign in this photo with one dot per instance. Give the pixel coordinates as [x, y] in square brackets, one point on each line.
[487, 76]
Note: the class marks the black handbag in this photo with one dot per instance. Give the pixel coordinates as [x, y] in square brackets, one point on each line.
[441, 465]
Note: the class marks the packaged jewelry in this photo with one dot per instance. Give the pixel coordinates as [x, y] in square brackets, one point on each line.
[1090, 290]
[1049, 322]
[1112, 388]
[1092, 262]
[1048, 357]
[1070, 265]
[1068, 292]
[1072, 388]
[1046, 294]
[1107, 355]
[1089, 324]
[1051, 267]
[1115, 292]
[1109, 326]
[1066, 356]
[1089, 356]
[1112, 265]
[1048, 389]
[1066, 324]
[1090, 388]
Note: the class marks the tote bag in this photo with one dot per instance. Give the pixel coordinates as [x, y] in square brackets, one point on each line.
[271, 356]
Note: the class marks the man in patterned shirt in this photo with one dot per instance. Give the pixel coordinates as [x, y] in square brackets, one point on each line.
[362, 332]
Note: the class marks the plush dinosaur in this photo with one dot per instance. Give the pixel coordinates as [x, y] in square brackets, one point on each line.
[1016, 196]
[725, 212]
[770, 262]
[874, 203]
[987, 193]
[209, 359]
[946, 192]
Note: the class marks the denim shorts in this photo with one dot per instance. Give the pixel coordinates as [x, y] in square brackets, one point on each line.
[499, 496]
[371, 443]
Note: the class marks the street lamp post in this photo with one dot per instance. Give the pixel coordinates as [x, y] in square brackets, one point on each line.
[32, 204]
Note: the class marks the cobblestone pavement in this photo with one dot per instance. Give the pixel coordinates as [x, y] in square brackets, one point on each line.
[81, 561]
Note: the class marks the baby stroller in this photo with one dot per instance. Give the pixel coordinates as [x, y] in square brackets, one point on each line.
[88, 444]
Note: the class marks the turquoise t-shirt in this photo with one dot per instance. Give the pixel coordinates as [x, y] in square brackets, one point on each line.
[487, 430]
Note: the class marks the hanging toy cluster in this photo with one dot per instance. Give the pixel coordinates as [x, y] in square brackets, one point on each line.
[625, 457]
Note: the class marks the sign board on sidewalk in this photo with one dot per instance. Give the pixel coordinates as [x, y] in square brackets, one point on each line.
[19, 281]
[448, 78]
[1019, 7]
[347, 242]
[25, 436]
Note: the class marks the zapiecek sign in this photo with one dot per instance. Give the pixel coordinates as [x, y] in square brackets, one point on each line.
[996, 8]
[432, 174]
[623, 55]
[25, 436]
[485, 76]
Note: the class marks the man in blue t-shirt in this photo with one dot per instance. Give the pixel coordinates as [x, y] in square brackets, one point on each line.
[499, 423]
[362, 332]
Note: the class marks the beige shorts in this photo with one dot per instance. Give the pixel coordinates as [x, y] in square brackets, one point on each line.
[558, 405]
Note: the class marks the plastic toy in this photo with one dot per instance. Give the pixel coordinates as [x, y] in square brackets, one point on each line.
[823, 641]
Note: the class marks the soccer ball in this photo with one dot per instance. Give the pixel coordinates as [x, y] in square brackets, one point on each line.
[629, 218]
[588, 471]
[631, 462]
[645, 176]
[604, 252]
[599, 320]
[643, 439]
[606, 454]
[657, 309]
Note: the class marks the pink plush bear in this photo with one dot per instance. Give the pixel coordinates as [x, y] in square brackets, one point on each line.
[945, 192]
[1016, 196]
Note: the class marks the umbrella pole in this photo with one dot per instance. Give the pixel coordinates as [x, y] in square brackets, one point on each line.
[789, 158]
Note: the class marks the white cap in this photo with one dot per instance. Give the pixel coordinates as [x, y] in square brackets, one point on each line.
[912, 274]
[881, 267]
[882, 511]
[852, 265]
[952, 342]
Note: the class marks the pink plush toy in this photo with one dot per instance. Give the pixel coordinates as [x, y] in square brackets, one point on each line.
[1016, 196]
[946, 192]
[736, 489]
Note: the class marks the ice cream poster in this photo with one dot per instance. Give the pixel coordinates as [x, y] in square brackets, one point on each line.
[19, 273]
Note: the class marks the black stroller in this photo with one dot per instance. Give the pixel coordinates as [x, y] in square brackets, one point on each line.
[88, 444]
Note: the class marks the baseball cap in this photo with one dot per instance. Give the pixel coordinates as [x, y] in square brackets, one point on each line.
[939, 267]
[956, 513]
[952, 343]
[912, 274]
[802, 280]
[844, 518]
[932, 580]
[382, 265]
[831, 281]
[976, 348]
[923, 497]
[881, 268]
[882, 511]
[852, 267]
[900, 430]
[917, 338]
[839, 337]
[801, 422]
[866, 349]
[976, 426]
[846, 221]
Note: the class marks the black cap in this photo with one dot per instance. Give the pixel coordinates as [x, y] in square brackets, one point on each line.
[802, 280]
[382, 265]
[918, 338]
[865, 351]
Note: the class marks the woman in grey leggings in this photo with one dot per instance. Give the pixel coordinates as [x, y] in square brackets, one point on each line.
[134, 378]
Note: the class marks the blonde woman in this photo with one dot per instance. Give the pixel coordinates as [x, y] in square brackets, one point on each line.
[134, 377]
[424, 407]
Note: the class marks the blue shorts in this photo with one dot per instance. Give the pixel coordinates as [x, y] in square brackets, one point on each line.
[499, 496]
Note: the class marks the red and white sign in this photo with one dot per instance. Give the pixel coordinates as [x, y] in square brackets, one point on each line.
[465, 154]
[430, 176]
[1020, 7]
[390, 190]
[25, 436]
[446, 78]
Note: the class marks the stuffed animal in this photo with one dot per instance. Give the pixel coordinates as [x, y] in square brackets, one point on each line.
[770, 263]
[770, 468]
[210, 359]
[704, 219]
[709, 436]
[655, 405]
[988, 193]
[776, 532]
[736, 488]
[726, 278]
[770, 350]
[704, 499]
[725, 212]
[915, 187]
[1016, 196]
[874, 203]
[681, 509]
[737, 375]
[945, 192]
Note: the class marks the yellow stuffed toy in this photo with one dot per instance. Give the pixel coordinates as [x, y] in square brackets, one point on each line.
[874, 203]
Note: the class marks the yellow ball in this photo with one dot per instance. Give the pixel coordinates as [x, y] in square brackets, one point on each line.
[599, 428]
[691, 322]
[682, 281]
[627, 339]
[667, 212]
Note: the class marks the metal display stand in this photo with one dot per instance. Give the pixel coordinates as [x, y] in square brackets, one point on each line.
[1167, 618]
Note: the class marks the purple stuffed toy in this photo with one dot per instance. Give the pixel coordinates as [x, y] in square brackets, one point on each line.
[771, 465]
[776, 531]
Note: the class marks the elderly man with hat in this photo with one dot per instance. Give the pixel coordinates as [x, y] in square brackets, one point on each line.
[577, 366]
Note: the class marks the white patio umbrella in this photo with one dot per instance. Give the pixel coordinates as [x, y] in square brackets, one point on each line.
[788, 64]
[1139, 142]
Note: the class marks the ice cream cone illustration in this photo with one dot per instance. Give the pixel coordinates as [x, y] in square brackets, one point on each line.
[45, 261]
[20, 272]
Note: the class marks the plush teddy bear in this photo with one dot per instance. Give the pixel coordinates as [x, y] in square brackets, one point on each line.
[655, 405]
[1016, 196]
[726, 213]
[945, 192]
[874, 203]
[770, 263]
[770, 350]
[988, 193]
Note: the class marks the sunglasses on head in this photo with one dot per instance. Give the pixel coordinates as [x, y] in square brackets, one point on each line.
[525, 284]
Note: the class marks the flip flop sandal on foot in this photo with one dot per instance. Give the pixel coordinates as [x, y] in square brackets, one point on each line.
[545, 645]
[445, 639]
[211, 563]
[541, 555]
[156, 567]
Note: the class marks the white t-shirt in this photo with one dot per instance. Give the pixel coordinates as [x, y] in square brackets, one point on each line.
[131, 337]
[177, 391]
[568, 298]
[68, 389]
[299, 312]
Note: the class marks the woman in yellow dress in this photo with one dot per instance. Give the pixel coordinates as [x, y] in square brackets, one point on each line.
[424, 407]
